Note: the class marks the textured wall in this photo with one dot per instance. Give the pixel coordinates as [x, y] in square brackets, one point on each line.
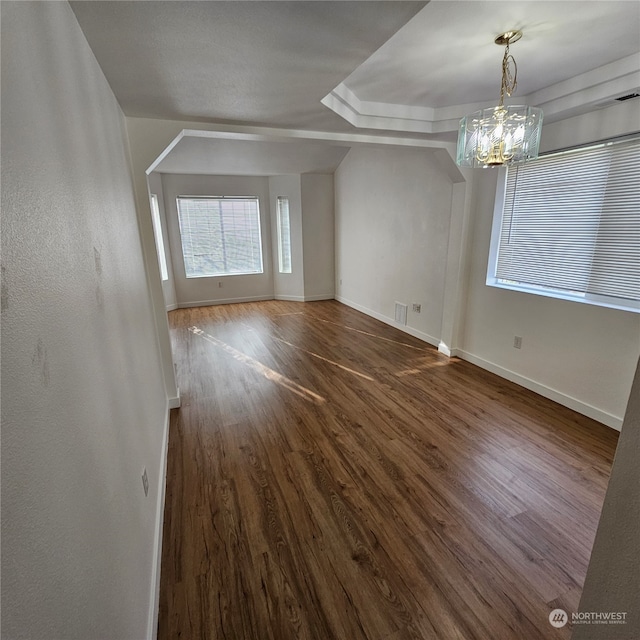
[392, 215]
[83, 400]
[318, 235]
[613, 577]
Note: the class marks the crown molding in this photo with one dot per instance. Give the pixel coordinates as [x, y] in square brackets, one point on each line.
[593, 89]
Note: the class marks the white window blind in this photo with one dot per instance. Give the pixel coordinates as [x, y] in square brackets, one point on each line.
[570, 225]
[284, 235]
[220, 235]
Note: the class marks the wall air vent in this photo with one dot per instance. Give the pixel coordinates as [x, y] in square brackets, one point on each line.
[629, 96]
[401, 313]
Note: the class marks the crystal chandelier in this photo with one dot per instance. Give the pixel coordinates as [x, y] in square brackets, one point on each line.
[503, 135]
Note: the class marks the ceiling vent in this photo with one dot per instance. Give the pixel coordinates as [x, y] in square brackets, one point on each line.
[629, 96]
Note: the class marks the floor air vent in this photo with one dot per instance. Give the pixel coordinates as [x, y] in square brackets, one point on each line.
[401, 313]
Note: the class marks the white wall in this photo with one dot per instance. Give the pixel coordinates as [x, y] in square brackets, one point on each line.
[580, 355]
[84, 405]
[219, 289]
[613, 577]
[288, 286]
[392, 214]
[318, 236]
[168, 286]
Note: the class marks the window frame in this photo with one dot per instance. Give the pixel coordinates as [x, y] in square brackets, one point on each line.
[284, 261]
[492, 280]
[252, 198]
[159, 237]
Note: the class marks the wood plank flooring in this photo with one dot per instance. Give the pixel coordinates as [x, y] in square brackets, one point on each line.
[330, 477]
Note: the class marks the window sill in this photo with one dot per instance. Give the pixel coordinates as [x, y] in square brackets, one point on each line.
[225, 275]
[598, 301]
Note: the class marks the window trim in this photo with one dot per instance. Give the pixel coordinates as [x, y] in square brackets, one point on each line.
[498, 214]
[159, 238]
[225, 197]
[282, 267]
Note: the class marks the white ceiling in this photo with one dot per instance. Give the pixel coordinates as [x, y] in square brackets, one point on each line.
[373, 67]
[261, 63]
[443, 64]
[446, 55]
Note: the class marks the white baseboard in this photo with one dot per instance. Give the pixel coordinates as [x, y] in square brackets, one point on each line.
[174, 402]
[442, 348]
[557, 396]
[288, 298]
[321, 296]
[210, 303]
[172, 307]
[390, 321]
[154, 600]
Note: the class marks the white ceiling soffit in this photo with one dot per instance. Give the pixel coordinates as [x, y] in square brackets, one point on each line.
[203, 155]
[236, 62]
[443, 64]
[260, 151]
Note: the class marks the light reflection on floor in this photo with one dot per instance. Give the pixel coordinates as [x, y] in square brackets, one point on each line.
[260, 368]
[327, 360]
[425, 367]
[372, 335]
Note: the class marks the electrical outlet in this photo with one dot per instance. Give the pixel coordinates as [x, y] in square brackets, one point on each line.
[417, 308]
[517, 342]
[145, 481]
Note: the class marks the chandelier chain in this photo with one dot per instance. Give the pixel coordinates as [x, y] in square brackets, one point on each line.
[509, 75]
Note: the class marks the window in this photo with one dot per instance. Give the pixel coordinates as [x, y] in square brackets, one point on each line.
[220, 236]
[568, 226]
[284, 235]
[157, 232]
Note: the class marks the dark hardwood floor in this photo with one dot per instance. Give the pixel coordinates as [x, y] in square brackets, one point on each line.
[330, 477]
